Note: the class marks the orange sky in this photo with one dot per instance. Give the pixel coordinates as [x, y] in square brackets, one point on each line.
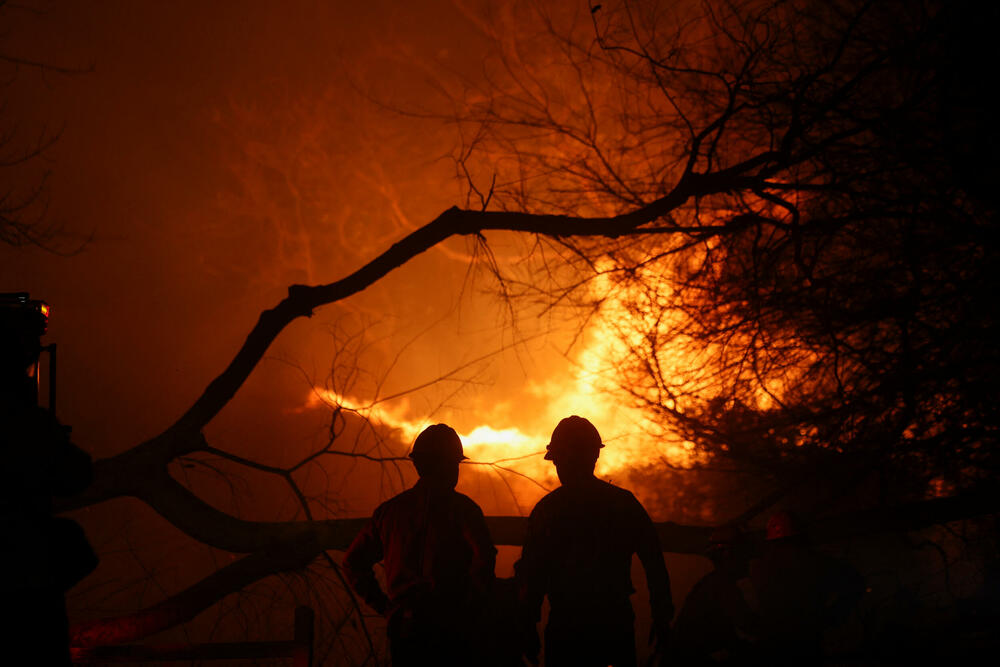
[174, 158]
[215, 155]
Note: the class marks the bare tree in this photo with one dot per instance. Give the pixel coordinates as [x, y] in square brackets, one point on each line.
[831, 270]
[24, 178]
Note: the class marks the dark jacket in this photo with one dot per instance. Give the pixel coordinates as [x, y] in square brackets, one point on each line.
[435, 547]
[578, 550]
[801, 593]
[715, 619]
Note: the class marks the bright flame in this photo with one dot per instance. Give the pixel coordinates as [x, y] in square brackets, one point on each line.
[519, 444]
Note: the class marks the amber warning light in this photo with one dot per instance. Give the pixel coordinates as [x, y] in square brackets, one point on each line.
[20, 311]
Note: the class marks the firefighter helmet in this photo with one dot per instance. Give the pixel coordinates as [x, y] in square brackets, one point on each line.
[439, 441]
[573, 434]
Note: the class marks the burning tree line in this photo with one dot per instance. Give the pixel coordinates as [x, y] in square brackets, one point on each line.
[794, 194]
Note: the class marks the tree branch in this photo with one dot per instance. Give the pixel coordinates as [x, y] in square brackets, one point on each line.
[297, 546]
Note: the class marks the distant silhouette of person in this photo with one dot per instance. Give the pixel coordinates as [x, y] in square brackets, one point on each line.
[800, 593]
[715, 623]
[41, 556]
[438, 558]
[578, 551]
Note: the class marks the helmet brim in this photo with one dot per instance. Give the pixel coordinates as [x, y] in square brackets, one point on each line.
[550, 450]
[427, 456]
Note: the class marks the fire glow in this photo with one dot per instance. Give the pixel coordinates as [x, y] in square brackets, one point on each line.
[518, 437]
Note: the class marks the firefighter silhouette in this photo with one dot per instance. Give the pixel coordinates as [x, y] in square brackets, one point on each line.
[800, 594]
[715, 624]
[438, 558]
[41, 556]
[578, 551]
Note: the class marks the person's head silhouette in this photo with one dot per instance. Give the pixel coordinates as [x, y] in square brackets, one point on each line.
[574, 448]
[727, 549]
[436, 454]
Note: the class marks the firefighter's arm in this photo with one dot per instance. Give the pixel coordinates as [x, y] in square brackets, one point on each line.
[657, 579]
[359, 567]
[484, 554]
[530, 569]
[529, 572]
